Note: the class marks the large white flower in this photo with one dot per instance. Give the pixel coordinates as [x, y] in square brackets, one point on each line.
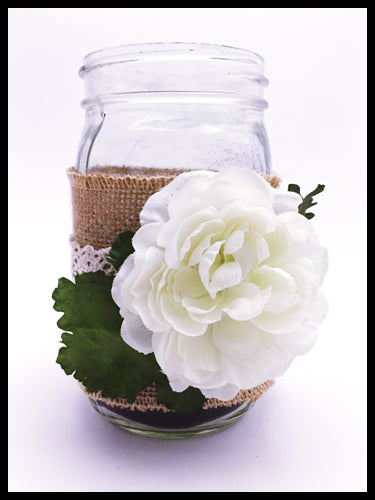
[223, 285]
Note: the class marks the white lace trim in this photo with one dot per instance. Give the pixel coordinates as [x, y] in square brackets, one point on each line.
[87, 258]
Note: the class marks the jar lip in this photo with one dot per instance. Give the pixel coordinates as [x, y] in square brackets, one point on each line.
[169, 50]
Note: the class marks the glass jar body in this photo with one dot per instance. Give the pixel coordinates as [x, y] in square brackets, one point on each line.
[156, 110]
[174, 106]
[171, 425]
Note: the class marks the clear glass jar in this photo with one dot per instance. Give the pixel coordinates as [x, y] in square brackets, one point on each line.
[160, 108]
[181, 106]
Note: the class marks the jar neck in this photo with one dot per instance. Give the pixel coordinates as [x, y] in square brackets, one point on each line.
[174, 72]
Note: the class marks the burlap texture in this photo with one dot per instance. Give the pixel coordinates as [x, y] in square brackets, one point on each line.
[146, 400]
[106, 202]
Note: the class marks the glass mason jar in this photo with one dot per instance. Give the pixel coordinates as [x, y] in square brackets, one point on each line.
[159, 109]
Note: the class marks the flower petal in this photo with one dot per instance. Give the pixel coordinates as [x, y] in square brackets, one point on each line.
[245, 184]
[284, 288]
[239, 339]
[135, 334]
[173, 254]
[187, 283]
[146, 236]
[245, 301]
[223, 393]
[210, 228]
[283, 322]
[120, 290]
[165, 348]
[197, 253]
[176, 315]
[199, 352]
[260, 245]
[156, 208]
[203, 309]
[227, 275]
[205, 263]
[285, 201]
[234, 242]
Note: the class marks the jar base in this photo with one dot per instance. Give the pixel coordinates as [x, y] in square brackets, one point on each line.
[171, 425]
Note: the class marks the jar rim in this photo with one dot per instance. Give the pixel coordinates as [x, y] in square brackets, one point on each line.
[171, 50]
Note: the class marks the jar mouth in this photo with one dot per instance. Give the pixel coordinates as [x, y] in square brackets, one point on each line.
[164, 70]
[169, 51]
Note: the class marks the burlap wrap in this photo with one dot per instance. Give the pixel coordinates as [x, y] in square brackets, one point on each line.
[146, 400]
[106, 202]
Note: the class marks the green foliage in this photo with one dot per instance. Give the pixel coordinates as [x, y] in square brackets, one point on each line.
[190, 400]
[307, 201]
[87, 303]
[95, 353]
[121, 248]
[102, 361]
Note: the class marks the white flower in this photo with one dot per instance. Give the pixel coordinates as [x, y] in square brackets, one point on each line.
[223, 285]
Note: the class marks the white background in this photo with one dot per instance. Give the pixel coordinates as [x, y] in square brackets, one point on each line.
[308, 432]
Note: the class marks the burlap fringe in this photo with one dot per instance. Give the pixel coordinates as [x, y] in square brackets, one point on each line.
[146, 400]
[273, 179]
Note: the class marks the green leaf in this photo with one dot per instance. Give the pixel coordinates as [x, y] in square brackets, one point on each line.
[316, 191]
[307, 202]
[121, 248]
[309, 215]
[87, 303]
[190, 401]
[294, 188]
[103, 361]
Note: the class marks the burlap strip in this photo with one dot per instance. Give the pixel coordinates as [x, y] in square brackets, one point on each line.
[146, 400]
[108, 201]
